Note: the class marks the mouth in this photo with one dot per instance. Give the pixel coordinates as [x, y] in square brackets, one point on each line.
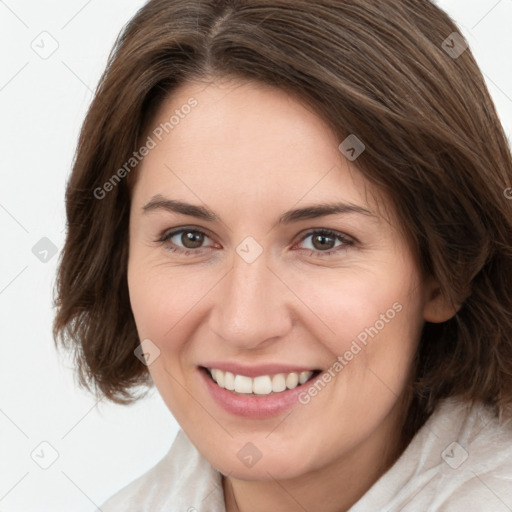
[261, 385]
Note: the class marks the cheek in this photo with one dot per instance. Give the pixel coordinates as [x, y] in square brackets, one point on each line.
[161, 297]
[371, 320]
[162, 307]
[356, 304]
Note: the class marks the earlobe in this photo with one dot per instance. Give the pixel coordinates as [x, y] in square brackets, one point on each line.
[438, 307]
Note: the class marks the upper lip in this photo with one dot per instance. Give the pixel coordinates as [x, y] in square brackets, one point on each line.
[257, 370]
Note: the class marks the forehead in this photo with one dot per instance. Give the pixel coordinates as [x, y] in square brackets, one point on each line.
[250, 139]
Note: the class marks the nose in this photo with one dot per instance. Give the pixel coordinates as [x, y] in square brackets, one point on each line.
[250, 309]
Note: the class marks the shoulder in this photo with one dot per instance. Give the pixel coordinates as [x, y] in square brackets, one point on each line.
[461, 459]
[477, 470]
[478, 440]
[182, 480]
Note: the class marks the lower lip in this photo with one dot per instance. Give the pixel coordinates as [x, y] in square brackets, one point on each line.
[254, 406]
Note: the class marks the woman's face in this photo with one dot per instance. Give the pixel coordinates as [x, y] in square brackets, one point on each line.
[259, 281]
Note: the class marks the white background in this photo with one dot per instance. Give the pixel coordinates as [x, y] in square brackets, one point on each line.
[101, 447]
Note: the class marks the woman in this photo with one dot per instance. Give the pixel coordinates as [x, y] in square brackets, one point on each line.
[292, 218]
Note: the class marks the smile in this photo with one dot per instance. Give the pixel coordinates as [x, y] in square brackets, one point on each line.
[262, 384]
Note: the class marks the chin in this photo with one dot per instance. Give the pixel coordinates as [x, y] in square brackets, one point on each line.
[253, 460]
[271, 469]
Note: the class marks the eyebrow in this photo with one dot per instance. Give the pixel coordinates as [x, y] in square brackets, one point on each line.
[159, 202]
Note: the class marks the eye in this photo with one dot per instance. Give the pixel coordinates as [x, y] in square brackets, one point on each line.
[323, 242]
[191, 240]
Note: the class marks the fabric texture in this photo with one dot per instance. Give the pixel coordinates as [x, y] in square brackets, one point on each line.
[459, 461]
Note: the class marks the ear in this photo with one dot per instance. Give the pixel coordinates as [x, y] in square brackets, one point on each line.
[438, 307]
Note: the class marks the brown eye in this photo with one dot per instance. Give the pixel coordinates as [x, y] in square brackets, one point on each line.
[191, 239]
[184, 239]
[323, 242]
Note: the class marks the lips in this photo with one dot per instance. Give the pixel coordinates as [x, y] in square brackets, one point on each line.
[251, 405]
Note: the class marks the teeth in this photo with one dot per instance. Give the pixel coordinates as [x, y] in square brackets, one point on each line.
[262, 385]
[229, 381]
[220, 378]
[242, 384]
[304, 376]
[279, 382]
[292, 380]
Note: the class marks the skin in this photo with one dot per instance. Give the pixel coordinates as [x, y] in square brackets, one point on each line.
[250, 152]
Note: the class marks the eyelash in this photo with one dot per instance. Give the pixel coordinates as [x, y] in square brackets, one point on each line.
[347, 242]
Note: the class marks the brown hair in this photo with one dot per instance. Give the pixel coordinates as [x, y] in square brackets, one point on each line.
[380, 70]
